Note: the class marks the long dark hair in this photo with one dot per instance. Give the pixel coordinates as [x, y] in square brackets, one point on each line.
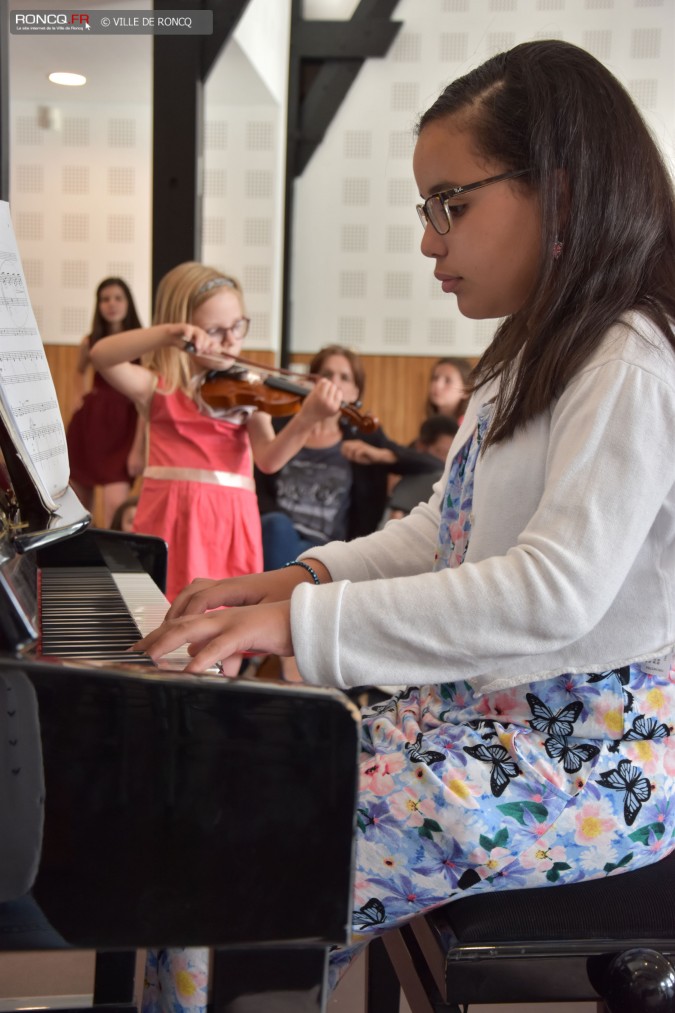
[463, 367]
[604, 191]
[100, 327]
[352, 358]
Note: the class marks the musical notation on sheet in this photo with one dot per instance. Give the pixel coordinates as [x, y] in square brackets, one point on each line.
[28, 402]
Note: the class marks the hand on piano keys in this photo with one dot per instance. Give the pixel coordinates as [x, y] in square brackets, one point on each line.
[93, 614]
[223, 636]
[256, 619]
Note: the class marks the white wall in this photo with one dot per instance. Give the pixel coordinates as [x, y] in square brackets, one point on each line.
[80, 190]
[79, 198]
[244, 163]
[81, 169]
[81, 202]
[358, 276]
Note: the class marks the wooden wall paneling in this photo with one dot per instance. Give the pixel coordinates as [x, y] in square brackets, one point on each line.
[396, 391]
[396, 386]
[62, 361]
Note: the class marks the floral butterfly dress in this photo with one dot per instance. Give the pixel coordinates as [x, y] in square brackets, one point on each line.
[550, 782]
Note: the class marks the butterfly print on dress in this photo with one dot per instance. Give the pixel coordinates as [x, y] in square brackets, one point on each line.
[628, 778]
[371, 913]
[559, 727]
[623, 675]
[560, 724]
[642, 728]
[485, 726]
[504, 768]
[419, 755]
[571, 756]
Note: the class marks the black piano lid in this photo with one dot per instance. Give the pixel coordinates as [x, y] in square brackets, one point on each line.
[182, 810]
[155, 808]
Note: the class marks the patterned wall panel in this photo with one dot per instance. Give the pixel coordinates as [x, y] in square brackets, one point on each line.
[357, 272]
[241, 233]
[80, 202]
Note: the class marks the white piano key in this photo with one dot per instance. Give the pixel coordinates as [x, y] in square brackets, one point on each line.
[148, 607]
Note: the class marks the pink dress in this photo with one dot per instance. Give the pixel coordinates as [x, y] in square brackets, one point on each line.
[198, 493]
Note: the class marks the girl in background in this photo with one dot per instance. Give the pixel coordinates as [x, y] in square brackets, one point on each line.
[448, 388]
[123, 518]
[198, 492]
[105, 434]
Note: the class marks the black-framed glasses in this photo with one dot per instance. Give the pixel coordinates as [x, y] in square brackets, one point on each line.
[438, 208]
[238, 330]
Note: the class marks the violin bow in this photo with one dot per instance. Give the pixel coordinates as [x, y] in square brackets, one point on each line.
[189, 346]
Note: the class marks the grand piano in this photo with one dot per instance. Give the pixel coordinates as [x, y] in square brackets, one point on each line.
[143, 806]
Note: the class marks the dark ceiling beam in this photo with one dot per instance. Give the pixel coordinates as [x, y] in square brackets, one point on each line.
[181, 64]
[338, 40]
[325, 59]
[226, 15]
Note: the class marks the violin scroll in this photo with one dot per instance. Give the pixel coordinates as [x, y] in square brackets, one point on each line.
[363, 421]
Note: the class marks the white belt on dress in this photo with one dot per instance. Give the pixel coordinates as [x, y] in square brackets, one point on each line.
[228, 478]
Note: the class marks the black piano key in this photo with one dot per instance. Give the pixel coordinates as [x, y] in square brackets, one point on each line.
[83, 615]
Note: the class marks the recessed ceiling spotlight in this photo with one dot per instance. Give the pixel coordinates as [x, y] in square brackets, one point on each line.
[63, 77]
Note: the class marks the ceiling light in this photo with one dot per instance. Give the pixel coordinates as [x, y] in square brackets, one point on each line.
[63, 77]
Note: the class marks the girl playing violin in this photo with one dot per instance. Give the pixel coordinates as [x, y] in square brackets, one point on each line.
[198, 491]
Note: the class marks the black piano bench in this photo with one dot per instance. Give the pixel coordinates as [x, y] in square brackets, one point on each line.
[610, 940]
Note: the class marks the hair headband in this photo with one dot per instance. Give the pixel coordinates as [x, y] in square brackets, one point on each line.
[215, 283]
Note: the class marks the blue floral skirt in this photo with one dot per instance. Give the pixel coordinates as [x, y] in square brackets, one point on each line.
[546, 783]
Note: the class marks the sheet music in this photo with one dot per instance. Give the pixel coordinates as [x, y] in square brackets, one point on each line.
[28, 402]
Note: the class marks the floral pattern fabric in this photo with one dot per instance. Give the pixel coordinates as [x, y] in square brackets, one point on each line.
[550, 782]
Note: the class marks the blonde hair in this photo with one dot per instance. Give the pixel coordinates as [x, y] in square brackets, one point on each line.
[180, 292]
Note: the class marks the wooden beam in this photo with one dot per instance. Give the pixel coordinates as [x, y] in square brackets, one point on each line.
[226, 15]
[337, 40]
[176, 147]
[325, 59]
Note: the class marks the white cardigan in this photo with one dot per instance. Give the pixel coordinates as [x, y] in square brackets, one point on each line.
[571, 558]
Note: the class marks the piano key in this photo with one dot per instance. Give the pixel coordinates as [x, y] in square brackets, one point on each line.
[94, 613]
[91, 612]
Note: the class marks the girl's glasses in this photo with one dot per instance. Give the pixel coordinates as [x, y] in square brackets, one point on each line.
[238, 330]
[437, 208]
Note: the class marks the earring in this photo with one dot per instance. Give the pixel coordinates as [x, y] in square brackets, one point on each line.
[557, 249]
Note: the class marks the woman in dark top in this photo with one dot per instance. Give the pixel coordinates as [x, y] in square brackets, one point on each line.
[325, 492]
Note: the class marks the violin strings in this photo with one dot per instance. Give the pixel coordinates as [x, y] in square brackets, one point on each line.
[274, 369]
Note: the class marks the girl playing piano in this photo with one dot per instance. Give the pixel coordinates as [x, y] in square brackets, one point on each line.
[526, 610]
[198, 492]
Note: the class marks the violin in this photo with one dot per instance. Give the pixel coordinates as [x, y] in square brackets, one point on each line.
[276, 395]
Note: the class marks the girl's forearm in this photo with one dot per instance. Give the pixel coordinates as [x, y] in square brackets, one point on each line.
[130, 345]
[272, 454]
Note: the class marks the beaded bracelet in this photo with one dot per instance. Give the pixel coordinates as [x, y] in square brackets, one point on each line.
[298, 562]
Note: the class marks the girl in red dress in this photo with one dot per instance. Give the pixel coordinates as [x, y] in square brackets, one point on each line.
[105, 437]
